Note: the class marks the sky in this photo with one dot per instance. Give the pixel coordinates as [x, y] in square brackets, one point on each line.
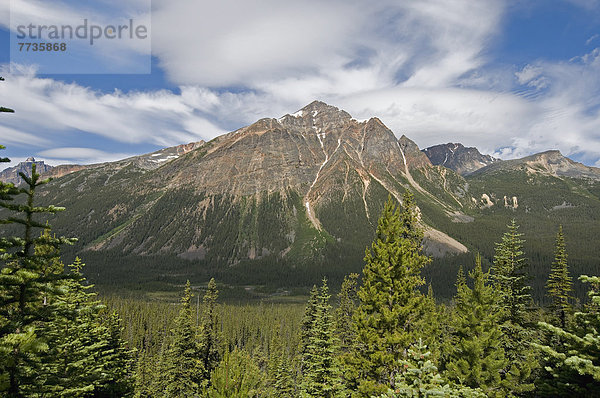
[510, 77]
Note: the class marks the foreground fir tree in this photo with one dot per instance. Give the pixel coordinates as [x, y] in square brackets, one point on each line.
[26, 283]
[390, 312]
[237, 376]
[573, 366]
[184, 370]
[208, 335]
[418, 377]
[560, 284]
[280, 379]
[509, 273]
[321, 371]
[476, 357]
[86, 355]
[345, 329]
[347, 301]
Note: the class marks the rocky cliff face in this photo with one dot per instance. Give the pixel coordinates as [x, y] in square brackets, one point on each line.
[463, 160]
[11, 174]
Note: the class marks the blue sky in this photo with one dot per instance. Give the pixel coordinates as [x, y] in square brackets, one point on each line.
[509, 77]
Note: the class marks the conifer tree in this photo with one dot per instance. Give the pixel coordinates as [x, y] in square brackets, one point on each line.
[280, 377]
[86, 356]
[391, 306]
[321, 375]
[306, 328]
[237, 376]
[24, 288]
[476, 356]
[347, 301]
[509, 273]
[573, 366]
[144, 375]
[184, 372]
[418, 377]
[209, 341]
[559, 283]
[345, 329]
[115, 359]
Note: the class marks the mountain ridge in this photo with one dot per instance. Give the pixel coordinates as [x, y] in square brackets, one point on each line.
[300, 192]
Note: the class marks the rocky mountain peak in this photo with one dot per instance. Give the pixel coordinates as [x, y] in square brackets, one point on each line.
[317, 114]
[414, 157]
[11, 174]
[455, 156]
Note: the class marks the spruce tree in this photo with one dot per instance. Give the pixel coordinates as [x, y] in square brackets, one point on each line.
[559, 283]
[321, 374]
[115, 359]
[418, 377]
[391, 306]
[280, 378]
[347, 301]
[237, 376]
[209, 341]
[509, 273]
[573, 366]
[476, 356]
[25, 285]
[70, 367]
[184, 366]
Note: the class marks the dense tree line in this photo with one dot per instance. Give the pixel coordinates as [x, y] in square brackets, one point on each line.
[381, 337]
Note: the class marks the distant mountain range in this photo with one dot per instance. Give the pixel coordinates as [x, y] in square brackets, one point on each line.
[283, 201]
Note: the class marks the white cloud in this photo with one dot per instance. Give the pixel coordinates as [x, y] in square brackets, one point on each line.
[422, 67]
[79, 155]
[46, 106]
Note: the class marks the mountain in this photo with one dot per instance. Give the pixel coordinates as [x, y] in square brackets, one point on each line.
[463, 160]
[550, 163]
[11, 174]
[284, 201]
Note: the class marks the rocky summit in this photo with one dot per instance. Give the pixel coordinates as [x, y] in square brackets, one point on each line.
[12, 174]
[463, 160]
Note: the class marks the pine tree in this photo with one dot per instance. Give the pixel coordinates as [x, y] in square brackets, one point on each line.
[144, 375]
[509, 273]
[476, 357]
[25, 286]
[573, 366]
[70, 367]
[391, 306]
[280, 377]
[418, 377]
[115, 359]
[559, 283]
[345, 328]
[321, 374]
[209, 341]
[237, 376]
[184, 372]
[347, 301]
